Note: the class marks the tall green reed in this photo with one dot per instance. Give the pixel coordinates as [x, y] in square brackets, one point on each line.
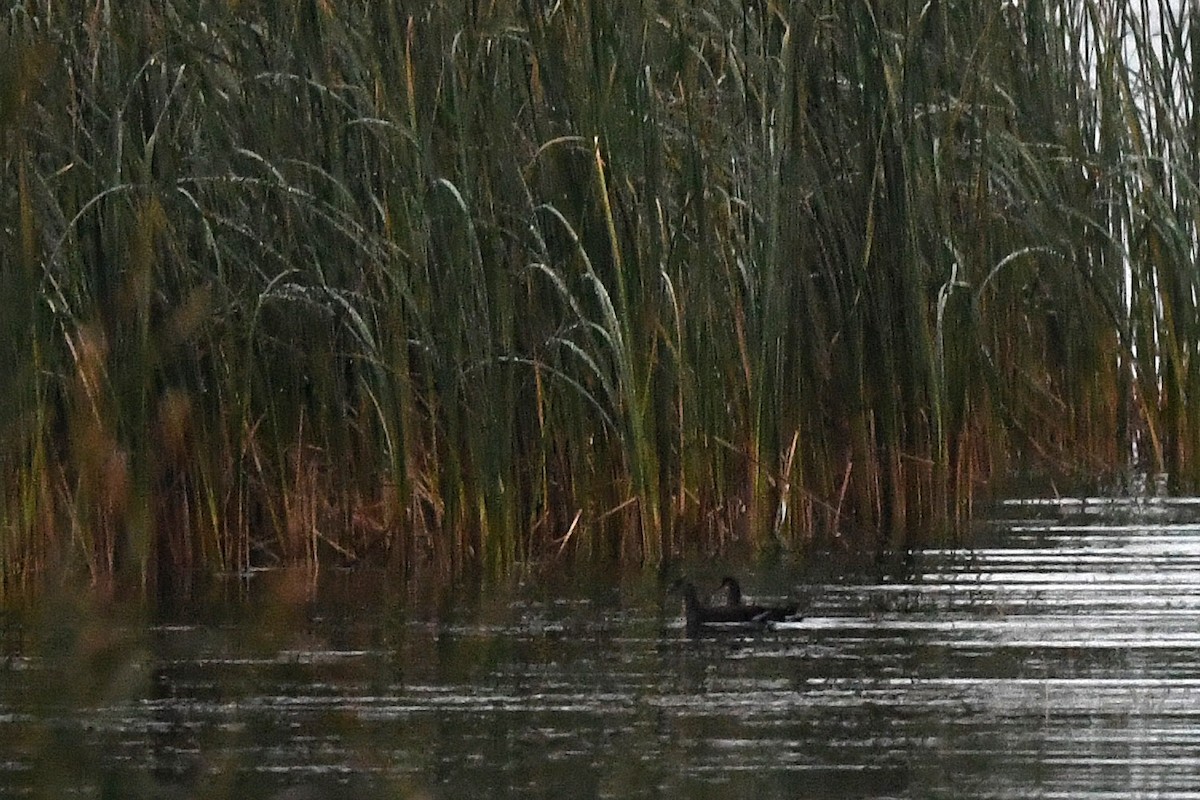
[491, 282]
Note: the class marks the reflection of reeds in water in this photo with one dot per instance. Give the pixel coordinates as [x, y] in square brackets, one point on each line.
[486, 283]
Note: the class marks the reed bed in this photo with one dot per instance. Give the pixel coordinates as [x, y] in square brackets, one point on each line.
[488, 282]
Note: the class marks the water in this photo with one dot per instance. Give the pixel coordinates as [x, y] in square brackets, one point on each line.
[1057, 657]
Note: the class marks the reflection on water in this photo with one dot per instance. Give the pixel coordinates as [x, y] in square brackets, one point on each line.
[1059, 657]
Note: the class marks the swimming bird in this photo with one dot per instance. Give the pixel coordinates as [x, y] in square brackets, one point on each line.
[734, 599]
[732, 590]
[696, 614]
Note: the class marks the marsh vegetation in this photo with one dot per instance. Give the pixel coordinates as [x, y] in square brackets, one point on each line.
[497, 281]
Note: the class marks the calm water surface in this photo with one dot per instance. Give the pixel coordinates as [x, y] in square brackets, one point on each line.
[1057, 657]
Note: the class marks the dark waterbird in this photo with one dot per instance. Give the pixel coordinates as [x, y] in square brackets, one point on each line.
[734, 599]
[696, 614]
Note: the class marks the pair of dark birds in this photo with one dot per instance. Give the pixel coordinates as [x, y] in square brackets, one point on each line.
[735, 609]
